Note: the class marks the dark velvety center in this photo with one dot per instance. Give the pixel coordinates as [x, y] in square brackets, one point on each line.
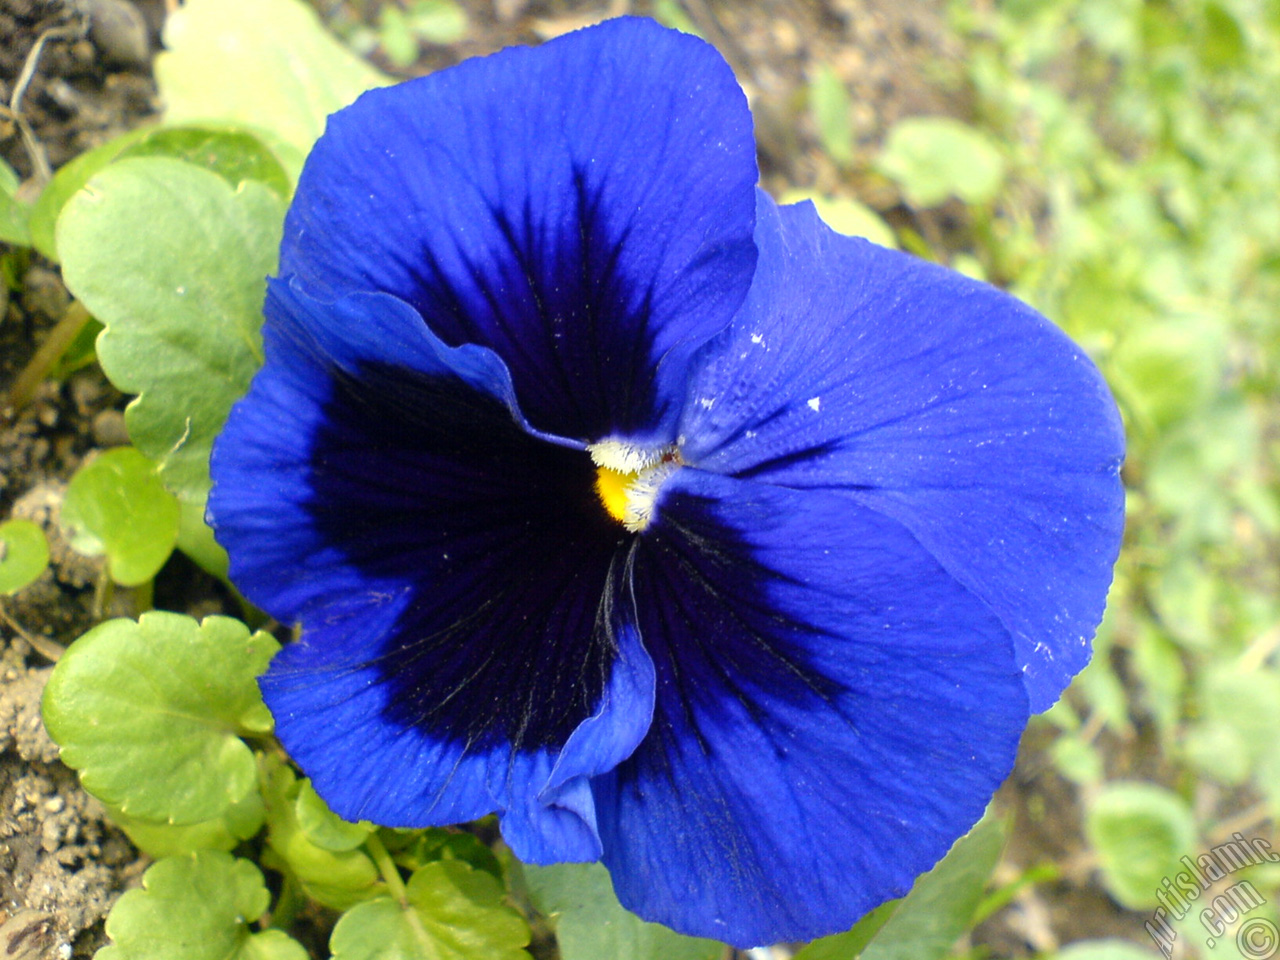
[554, 304]
[500, 538]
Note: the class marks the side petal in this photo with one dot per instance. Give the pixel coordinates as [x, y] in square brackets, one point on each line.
[937, 400]
[833, 710]
[447, 568]
[583, 208]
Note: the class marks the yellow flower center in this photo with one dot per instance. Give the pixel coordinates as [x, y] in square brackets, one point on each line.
[612, 487]
[628, 480]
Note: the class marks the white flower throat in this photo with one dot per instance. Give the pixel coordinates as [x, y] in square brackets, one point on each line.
[628, 479]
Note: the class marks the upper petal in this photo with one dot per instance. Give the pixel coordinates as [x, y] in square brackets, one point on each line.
[584, 208]
[833, 710]
[937, 400]
[449, 569]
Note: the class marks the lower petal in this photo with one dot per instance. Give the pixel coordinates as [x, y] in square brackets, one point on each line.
[833, 710]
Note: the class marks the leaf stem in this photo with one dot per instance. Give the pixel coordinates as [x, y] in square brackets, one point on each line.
[387, 867]
[54, 346]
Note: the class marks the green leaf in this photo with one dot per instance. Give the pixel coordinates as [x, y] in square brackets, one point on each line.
[1223, 44]
[591, 924]
[268, 65]
[336, 879]
[235, 155]
[66, 183]
[848, 216]
[439, 844]
[398, 41]
[1139, 831]
[1246, 701]
[172, 259]
[941, 905]
[669, 13]
[151, 714]
[832, 114]
[452, 913]
[325, 828]
[116, 505]
[24, 554]
[14, 215]
[934, 158]
[438, 21]
[239, 823]
[196, 907]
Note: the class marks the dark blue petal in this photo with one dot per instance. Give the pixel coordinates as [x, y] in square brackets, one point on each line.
[938, 401]
[583, 208]
[832, 711]
[454, 575]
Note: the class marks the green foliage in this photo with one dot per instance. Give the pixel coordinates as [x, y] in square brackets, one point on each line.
[24, 554]
[240, 822]
[935, 158]
[267, 65]
[172, 259]
[151, 714]
[116, 506]
[448, 912]
[431, 21]
[337, 879]
[14, 215]
[1139, 831]
[234, 155]
[590, 923]
[323, 827]
[196, 907]
[831, 108]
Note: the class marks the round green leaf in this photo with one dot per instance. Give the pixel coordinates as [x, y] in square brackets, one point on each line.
[151, 714]
[934, 158]
[590, 923]
[14, 215]
[172, 260]
[325, 828]
[24, 554]
[336, 879]
[115, 504]
[453, 913]
[196, 907]
[832, 112]
[1139, 831]
[234, 155]
[266, 64]
[239, 823]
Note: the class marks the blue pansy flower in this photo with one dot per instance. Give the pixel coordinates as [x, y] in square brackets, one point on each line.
[679, 531]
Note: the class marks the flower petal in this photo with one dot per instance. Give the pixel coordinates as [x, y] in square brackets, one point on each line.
[938, 401]
[583, 208]
[833, 711]
[447, 567]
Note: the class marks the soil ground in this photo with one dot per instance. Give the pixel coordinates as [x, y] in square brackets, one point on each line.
[62, 864]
